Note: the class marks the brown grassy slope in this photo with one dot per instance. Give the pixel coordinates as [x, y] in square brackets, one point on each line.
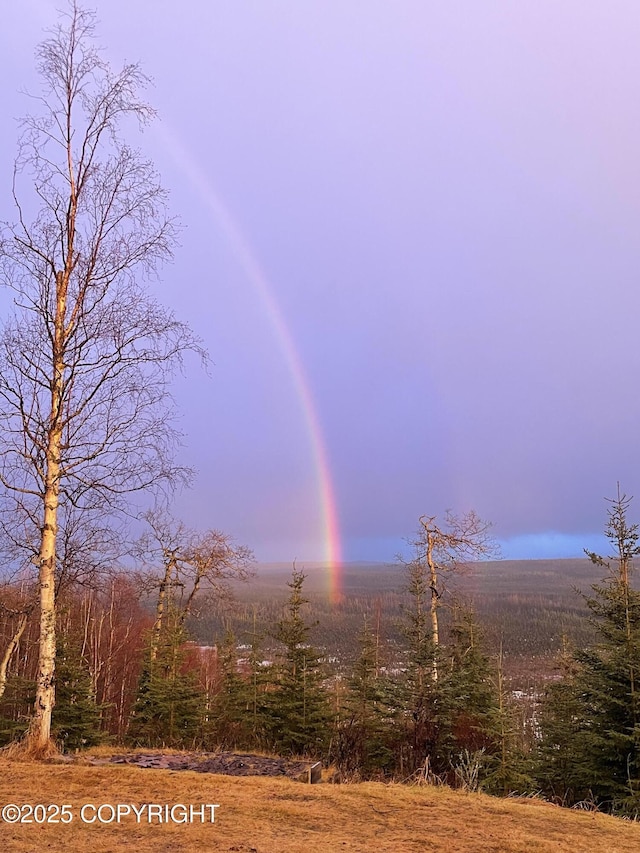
[279, 816]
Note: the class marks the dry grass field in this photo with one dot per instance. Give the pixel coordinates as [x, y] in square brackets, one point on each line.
[263, 815]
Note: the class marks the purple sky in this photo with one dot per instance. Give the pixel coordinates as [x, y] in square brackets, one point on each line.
[429, 213]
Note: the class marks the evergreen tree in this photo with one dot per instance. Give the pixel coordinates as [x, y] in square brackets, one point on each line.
[237, 706]
[471, 709]
[418, 692]
[77, 718]
[170, 704]
[257, 685]
[610, 672]
[599, 717]
[508, 769]
[298, 707]
[364, 743]
[15, 705]
[228, 705]
[559, 757]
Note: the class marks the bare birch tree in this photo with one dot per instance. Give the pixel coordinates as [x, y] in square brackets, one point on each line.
[193, 565]
[18, 618]
[87, 354]
[443, 549]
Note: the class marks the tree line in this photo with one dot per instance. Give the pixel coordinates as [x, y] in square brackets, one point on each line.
[128, 673]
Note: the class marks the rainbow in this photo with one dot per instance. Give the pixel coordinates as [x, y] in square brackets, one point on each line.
[246, 257]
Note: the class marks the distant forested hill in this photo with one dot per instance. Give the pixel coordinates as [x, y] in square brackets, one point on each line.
[529, 606]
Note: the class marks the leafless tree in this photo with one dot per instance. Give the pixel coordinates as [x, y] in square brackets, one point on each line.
[443, 549]
[193, 564]
[87, 354]
[17, 618]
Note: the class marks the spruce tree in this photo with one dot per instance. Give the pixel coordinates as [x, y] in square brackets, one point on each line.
[170, 704]
[508, 769]
[76, 720]
[417, 691]
[16, 701]
[602, 697]
[560, 768]
[364, 730]
[470, 716]
[234, 710]
[299, 714]
[257, 686]
[610, 671]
